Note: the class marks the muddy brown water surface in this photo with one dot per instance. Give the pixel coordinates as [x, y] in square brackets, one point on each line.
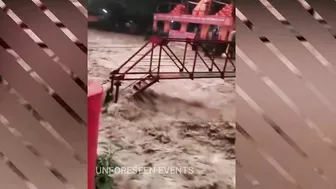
[180, 123]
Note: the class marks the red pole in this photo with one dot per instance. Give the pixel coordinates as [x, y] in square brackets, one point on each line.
[95, 97]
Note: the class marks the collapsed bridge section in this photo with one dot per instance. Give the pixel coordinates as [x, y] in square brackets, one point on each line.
[171, 59]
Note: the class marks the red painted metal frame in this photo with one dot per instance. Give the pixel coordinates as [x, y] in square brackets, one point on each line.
[181, 34]
[209, 19]
[127, 72]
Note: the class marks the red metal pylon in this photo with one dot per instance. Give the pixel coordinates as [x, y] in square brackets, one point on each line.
[160, 52]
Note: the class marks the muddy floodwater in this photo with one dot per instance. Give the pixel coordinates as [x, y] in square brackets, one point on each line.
[180, 123]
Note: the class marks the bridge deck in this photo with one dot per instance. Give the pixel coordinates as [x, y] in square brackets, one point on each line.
[150, 63]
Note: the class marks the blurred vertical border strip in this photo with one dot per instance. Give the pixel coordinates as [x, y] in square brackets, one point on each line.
[43, 106]
[286, 94]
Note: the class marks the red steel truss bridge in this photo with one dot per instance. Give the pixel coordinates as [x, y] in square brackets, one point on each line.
[172, 59]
